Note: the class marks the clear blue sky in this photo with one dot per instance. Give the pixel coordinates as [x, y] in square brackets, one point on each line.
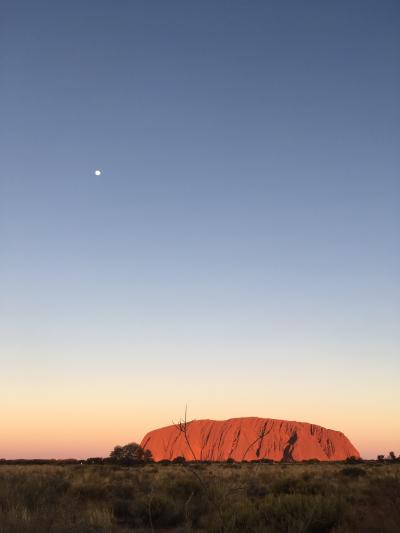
[245, 225]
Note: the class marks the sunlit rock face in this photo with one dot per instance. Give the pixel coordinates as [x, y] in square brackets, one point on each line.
[249, 439]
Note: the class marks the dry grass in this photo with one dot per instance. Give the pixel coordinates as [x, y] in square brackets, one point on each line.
[207, 498]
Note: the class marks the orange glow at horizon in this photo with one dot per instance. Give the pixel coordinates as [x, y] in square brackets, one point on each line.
[79, 431]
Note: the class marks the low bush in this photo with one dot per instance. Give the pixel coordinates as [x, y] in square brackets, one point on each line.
[216, 498]
[353, 471]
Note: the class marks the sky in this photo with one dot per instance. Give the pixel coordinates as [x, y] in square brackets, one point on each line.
[239, 252]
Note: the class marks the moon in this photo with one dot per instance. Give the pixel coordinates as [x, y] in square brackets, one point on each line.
[97, 172]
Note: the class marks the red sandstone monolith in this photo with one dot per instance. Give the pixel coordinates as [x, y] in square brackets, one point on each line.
[249, 439]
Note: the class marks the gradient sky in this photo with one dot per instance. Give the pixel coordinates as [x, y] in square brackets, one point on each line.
[239, 252]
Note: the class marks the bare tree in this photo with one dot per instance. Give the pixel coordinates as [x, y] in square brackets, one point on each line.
[182, 426]
[260, 436]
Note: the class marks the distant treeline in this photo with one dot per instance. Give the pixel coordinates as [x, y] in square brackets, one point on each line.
[133, 454]
[179, 461]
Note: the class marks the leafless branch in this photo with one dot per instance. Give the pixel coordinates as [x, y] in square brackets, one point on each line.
[261, 435]
[182, 426]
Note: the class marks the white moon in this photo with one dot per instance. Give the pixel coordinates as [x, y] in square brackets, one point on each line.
[97, 172]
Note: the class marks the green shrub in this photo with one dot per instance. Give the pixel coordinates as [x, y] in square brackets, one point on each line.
[180, 460]
[353, 472]
[295, 512]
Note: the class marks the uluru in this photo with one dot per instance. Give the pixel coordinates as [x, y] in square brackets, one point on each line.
[249, 438]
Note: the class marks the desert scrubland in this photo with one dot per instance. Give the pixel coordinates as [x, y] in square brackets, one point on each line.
[218, 497]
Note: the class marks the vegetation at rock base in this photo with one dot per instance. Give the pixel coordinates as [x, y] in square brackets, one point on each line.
[207, 498]
[129, 454]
